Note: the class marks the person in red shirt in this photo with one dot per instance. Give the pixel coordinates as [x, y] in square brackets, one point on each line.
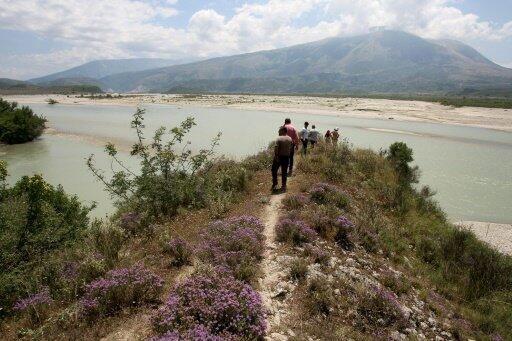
[292, 132]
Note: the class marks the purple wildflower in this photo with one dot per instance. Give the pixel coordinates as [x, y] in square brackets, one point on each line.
[344, 222]
[212, 305]
[236, 243]
[324, 193]
[319, 256]
[382, 307]
[497, 337]
[119, 288]
[294, 231]
[179, 250]
[295, 201]
[70, 271]
[41, 298]
[129, 222]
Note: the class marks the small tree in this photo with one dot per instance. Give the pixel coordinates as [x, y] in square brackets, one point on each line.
[400, 156]
[168, 178]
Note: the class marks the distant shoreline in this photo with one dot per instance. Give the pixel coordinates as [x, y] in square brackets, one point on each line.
[386, 109]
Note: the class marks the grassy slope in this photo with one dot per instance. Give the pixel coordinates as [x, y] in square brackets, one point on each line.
[133, 322]
[447, 270]
[446, 274]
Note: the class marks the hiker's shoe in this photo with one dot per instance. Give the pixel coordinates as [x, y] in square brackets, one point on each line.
[282, 190]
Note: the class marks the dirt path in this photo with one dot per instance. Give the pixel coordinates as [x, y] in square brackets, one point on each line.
[273, 273]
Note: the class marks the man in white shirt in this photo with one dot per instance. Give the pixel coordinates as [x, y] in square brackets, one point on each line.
[304, 135]
[313, 136]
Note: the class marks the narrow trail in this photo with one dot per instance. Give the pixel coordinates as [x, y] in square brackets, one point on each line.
[272, 268]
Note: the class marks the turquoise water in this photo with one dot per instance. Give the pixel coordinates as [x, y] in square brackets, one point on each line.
[471, 168]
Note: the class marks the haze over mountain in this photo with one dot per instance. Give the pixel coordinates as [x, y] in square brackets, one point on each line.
[384, 61]
[101, 68]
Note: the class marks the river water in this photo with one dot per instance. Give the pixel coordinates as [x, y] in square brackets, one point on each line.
[471, 168]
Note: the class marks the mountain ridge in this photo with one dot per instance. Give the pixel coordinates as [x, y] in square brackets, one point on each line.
[385, 61]
[97, 69]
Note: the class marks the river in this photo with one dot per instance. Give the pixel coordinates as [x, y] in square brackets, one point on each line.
[470, 168]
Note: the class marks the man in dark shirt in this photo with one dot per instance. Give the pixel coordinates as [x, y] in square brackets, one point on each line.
[292, 132]
[282, 152]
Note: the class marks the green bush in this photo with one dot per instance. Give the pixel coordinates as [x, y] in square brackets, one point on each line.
[36, 218]
[260, 161]
[171, 176]
[19, 125]
[400, 156]
[107, 240]
[37, 221]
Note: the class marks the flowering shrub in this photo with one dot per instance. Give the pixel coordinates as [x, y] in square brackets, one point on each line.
[317, 254]
[129, 222]
[327, 194]
[381, 307]
[344, 222]
[295, 201]
[237, 243]
[34, 304]
[294, 231]
[180, 252]
[323, 220]
[119, 288]
[397, 283]
[344, 229]
[70, 271]
[213, 305]
[298, 269]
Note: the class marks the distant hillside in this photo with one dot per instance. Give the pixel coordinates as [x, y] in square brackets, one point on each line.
[385, 61]
[73, 81]
[17, 87]
[101, 68]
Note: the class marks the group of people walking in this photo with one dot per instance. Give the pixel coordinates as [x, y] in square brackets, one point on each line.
[288, 143]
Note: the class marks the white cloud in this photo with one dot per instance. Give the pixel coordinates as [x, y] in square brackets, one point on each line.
[126, 28]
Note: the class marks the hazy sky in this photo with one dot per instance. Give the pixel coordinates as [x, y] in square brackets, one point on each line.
[38, 37]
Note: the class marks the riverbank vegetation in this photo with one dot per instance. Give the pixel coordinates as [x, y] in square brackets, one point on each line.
[17, 87]
[402, 269]
[64, 275]
[498, 99]
[19, 124]
[483, 99]
[364, 252]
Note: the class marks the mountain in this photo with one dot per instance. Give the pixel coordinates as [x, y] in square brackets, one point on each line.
[17, 87]
[101, 68]
[384, 61]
